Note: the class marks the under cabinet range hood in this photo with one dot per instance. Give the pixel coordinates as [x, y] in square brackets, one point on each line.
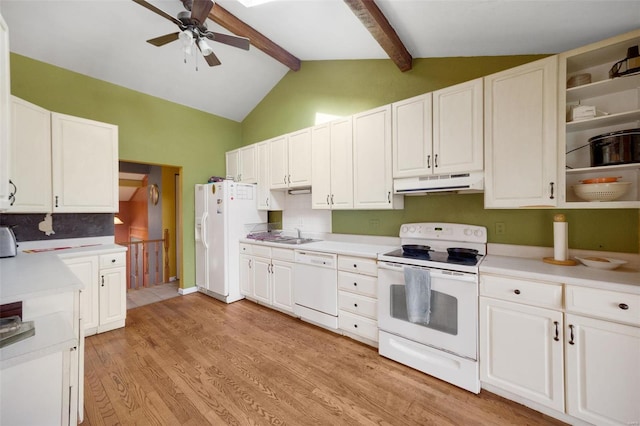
[455, 182]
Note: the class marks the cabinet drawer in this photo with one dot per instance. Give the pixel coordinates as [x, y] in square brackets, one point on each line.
[113, 260]
[361, 265]
[245, 248]
[357, 304]
[361, 326]
[282, 254]
[537, 293]
[611, 305]
[261, 251]
[356, 283]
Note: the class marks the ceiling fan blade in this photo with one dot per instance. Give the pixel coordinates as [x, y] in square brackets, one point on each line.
[162, 40]
[212, 60]
[239, 42]
[200, 10]
[159, 12]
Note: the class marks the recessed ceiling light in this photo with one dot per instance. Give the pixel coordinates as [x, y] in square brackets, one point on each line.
[251, 3]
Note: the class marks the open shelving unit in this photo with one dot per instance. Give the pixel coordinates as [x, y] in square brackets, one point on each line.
[617, 103]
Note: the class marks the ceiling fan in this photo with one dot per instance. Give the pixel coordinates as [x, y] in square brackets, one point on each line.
[193, 29]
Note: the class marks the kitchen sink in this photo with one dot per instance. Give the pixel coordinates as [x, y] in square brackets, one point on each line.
[294, 241]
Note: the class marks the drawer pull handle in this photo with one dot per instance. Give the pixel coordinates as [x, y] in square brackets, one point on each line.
[102, 280]
[557, 338]
[571, 342]
[623, 306]
[516, 291]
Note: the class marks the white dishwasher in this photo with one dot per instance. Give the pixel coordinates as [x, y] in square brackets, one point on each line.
[315, 288]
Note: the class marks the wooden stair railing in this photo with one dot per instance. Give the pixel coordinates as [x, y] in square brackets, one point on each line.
[144, 266]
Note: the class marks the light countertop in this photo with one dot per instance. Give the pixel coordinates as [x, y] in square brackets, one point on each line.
[623, 279]
[348, 248]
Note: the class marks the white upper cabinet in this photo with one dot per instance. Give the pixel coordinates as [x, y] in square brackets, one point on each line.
[458, 128]
[290, 158]
[84, 165]
[30, 157]
[5, 90]
[412, 137]
[242, 164]
[278, 162]
[439, 132]
[266, 198]
[372, 165]
[617, 108]
[299, 158]
[332, 172]
[521, 136]
[232, 159]
[62, 164]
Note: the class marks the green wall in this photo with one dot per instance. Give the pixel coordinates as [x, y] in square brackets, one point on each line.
[347, 87]
[151, 130]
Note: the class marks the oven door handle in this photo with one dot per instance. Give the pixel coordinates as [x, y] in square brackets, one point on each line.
[460, 276]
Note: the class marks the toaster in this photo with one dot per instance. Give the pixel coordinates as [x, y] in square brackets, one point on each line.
[8, 245]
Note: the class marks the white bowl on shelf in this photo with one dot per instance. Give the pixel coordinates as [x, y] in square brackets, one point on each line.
[610, 191]
[599, 262]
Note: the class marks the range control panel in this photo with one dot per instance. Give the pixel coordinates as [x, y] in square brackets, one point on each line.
[444, 231]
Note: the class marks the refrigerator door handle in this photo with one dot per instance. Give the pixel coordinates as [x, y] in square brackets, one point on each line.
[203, 230]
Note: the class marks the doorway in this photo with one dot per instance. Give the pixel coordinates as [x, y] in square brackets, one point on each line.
[150, 212]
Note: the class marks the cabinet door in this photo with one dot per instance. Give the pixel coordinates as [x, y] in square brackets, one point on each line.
[30, 157]
[246, 275]
[372, 175]
[283, 285]
[412, 138]
[321, 170]
[5, 92]
[232, 161]
[278, 162]
[85, 165]
[519, 351]
[248, 166]
[458, 128]
[341, 164]
[300, 166]
[262, 279]
[521, 136]
[603, 371]
[113, 298]
[267, 199]
[86, 270]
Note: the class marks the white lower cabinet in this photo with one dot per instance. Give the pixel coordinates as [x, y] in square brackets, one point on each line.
[358, 298]
[580, 359]
[104, 297]
[266, 275]
[521, 350]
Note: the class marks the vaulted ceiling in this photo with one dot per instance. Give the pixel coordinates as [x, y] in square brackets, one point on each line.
[105, 39]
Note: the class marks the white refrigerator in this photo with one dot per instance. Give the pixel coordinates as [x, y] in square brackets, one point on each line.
[222, 211]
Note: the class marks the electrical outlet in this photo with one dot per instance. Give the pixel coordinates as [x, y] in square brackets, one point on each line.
[501, 229]
[374, 223]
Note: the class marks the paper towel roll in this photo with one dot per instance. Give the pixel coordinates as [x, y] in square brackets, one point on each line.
[560, 240]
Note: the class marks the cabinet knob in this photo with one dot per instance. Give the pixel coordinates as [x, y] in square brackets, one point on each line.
[355, 325]
[113, 261]
[355, 265]
[623, 306]
[355, 284]
[516, 291]
[355, 305]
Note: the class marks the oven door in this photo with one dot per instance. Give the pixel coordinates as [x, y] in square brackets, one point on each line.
[454, 309]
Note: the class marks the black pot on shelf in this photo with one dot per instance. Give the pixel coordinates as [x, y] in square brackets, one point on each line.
[621, 147]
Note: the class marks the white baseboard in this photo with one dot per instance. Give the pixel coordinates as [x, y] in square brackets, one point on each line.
[188, 290]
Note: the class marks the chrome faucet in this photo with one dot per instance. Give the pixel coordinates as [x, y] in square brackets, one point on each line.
[299, 232]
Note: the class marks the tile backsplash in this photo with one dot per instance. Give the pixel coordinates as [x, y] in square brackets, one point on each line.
[41, 226]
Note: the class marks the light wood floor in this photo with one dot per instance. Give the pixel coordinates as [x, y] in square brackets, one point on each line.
[193, 360]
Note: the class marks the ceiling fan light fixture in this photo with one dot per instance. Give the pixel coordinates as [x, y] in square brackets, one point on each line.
[204, 47]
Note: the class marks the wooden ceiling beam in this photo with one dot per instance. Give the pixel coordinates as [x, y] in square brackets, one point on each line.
[226, 19]
[374, 20]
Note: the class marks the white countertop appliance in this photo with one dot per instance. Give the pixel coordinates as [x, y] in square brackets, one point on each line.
[222, 210]
[428, 300]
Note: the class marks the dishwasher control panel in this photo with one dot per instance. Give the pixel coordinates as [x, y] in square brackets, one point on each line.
[325, 260]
